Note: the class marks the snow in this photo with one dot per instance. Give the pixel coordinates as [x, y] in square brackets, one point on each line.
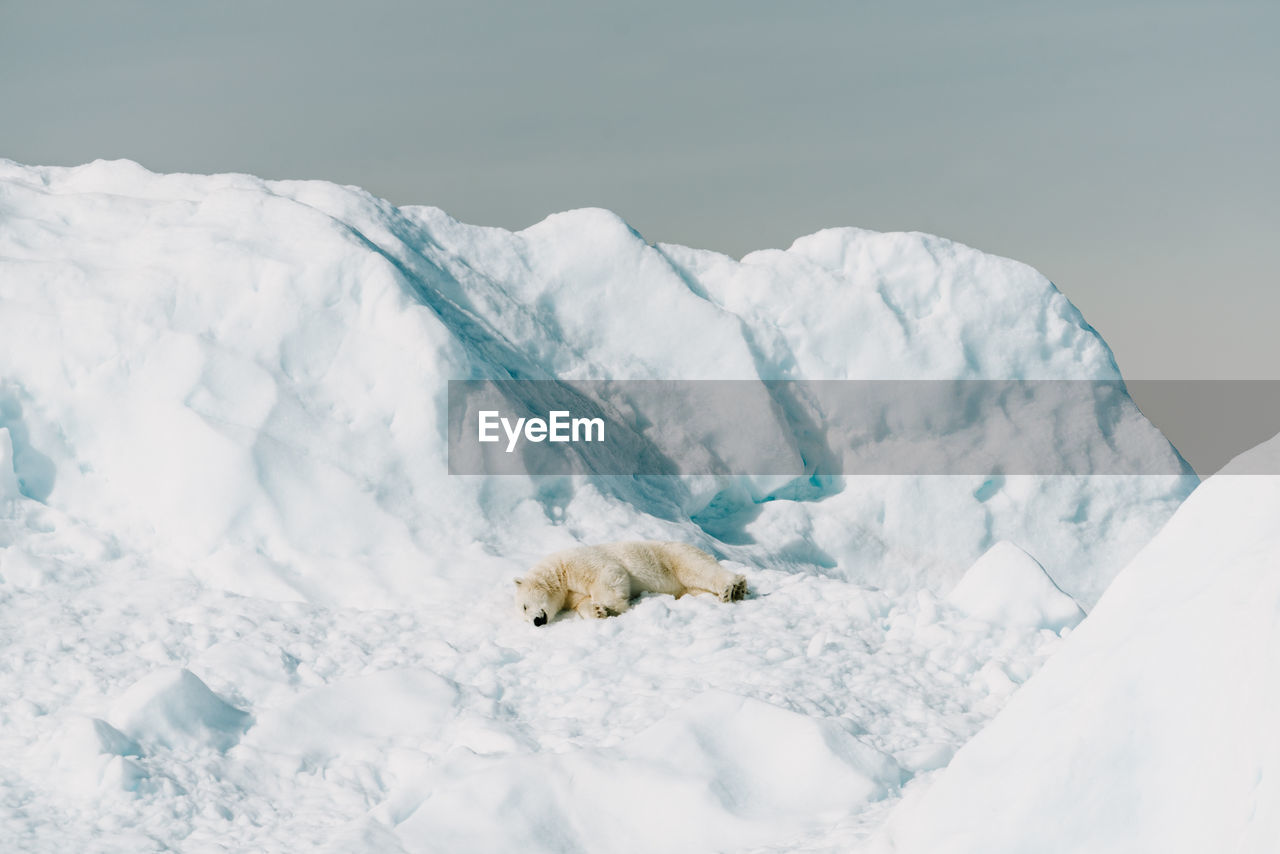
[228, 541]
[349, 715]
[725, 769]
[9, 488]
[89, 755]
[1007, 585]
[1153, 727]
[173, 708]
[274, 341]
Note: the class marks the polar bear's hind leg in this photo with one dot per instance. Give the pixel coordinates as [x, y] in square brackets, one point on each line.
[699, 572]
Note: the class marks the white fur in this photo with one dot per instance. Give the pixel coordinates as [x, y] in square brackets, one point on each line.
[597, 581]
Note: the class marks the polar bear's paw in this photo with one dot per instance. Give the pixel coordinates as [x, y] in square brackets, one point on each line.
[598, 612]
[734, 590]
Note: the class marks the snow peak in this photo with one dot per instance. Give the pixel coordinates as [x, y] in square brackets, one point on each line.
[558, 426]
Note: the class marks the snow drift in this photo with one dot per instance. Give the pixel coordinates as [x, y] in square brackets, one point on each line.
[1153, 728]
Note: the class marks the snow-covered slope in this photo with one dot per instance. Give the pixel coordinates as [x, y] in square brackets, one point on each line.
[1154, 727]
[192, 359]
[243, 603]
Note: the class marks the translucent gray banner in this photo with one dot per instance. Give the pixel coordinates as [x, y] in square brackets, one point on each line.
[830, 427]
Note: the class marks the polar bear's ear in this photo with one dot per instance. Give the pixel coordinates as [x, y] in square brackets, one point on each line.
[519, 581]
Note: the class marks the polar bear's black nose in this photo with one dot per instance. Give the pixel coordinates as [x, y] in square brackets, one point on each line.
[541, 619]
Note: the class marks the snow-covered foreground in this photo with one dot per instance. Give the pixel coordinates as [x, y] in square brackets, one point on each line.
[146, 712]
[243, 607]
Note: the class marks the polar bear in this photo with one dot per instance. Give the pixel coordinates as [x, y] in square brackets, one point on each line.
[597, 581]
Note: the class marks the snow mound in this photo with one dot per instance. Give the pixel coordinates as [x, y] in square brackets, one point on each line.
[1008, 586]
[172, 708]
[354, 715]
[91, 755]
[1153, 728]
[722, 772]
[191, 360]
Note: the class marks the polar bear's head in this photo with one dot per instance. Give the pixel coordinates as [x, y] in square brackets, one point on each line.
[537, 602]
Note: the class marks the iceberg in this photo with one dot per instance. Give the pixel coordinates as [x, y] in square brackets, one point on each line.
[199, 357]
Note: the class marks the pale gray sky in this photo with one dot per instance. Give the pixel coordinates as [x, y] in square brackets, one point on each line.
[1127, 150]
